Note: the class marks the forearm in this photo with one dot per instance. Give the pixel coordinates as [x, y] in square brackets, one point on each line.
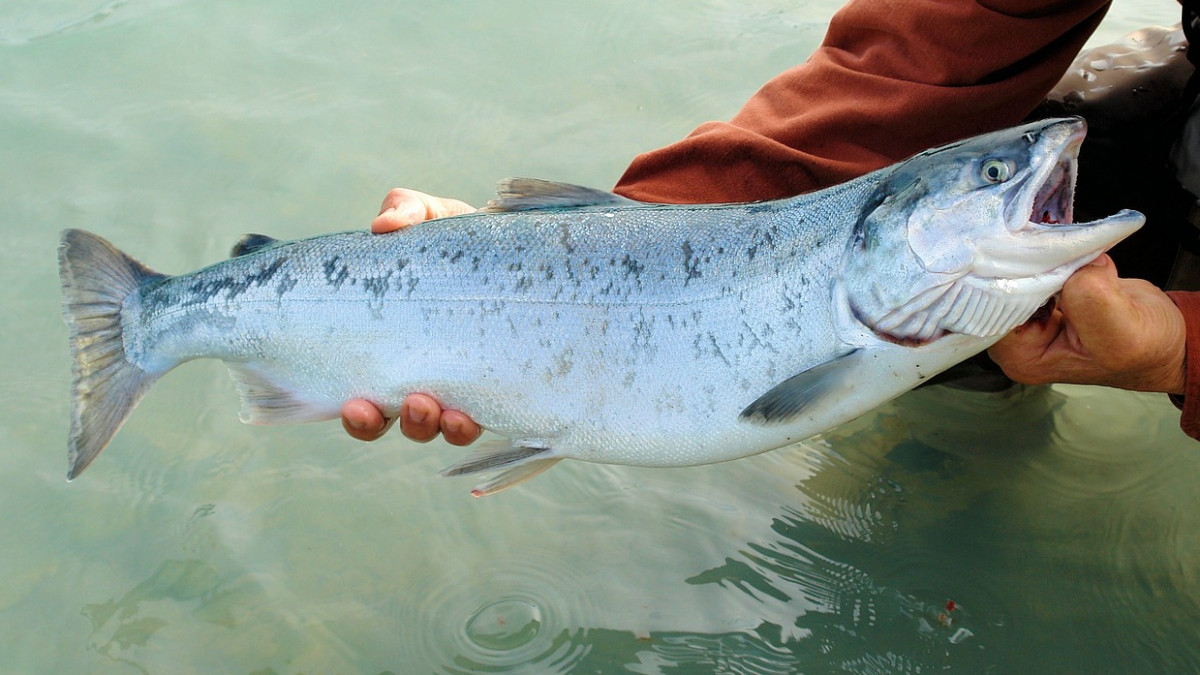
[890, 79]
[1189, 402]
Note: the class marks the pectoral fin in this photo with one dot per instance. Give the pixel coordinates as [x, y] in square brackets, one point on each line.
[792, 397]
[518, 461]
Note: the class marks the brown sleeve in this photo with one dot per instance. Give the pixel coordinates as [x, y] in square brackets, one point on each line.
[892, 78]
[1189, 403]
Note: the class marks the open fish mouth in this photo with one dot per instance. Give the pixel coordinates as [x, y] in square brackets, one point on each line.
[1050, 213]
[1042, 236]
[1054, 202]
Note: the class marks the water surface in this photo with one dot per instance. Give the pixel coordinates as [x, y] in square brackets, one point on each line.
[1062, 524]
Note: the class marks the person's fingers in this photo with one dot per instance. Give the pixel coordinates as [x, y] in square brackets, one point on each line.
[1103, 317]
[458, 428]
[1128, 327]
[420, 417]
[1111, 331]
[363, 420]
[1020, 353]
[402, 207]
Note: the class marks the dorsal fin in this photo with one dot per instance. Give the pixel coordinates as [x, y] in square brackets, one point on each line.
[249, 243]
[529, 194]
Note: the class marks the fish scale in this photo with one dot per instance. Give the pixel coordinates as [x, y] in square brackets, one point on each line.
[578, 324]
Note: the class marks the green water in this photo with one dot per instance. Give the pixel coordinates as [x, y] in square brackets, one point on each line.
[1063, 524]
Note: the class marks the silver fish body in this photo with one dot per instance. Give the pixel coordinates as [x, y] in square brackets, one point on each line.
[581, 325]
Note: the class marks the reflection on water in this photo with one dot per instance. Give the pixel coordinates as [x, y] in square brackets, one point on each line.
[1033, 531]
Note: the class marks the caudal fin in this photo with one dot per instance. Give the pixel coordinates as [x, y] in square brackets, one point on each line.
[96, 280]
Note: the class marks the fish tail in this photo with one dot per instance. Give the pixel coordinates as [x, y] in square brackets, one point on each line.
[105, 386]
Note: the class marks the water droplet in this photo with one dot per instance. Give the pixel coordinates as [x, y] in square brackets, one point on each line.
[505, 624]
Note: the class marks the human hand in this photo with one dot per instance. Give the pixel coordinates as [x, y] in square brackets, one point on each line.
[1105, 330]
[421, 417]
[403, 207]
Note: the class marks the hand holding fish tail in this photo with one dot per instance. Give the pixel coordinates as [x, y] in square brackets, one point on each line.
[1106, 330]
[421, 417]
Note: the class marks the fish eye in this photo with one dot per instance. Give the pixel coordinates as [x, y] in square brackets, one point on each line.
[996, 171]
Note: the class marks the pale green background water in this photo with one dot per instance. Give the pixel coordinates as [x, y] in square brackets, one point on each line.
[1064, 524]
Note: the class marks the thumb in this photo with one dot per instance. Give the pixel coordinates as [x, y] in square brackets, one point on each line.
[1095, 305]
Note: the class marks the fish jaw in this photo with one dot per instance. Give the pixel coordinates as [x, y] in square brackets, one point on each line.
[1053, 249]
[1042, 237]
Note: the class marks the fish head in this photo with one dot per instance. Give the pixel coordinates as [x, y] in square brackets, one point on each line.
[974, 236]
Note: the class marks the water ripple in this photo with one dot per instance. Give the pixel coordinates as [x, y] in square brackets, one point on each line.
[49, 21]
[516, 612]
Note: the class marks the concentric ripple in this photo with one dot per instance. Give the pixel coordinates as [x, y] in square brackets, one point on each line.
[518, 612]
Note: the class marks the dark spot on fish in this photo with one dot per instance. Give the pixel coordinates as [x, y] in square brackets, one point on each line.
[564, 238]
[334, 275]
[632, 267]
[712, 339]
[691, 266]
[203, 290]
[286, 284]
[378, 286]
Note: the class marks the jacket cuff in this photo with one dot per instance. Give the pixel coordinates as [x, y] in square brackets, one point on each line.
[1189, 402]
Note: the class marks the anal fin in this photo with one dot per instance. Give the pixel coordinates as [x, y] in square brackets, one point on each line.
[265, 401]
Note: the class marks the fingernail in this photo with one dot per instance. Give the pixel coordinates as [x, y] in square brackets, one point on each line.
[358, 425]
[453, 426]
[417, 415]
